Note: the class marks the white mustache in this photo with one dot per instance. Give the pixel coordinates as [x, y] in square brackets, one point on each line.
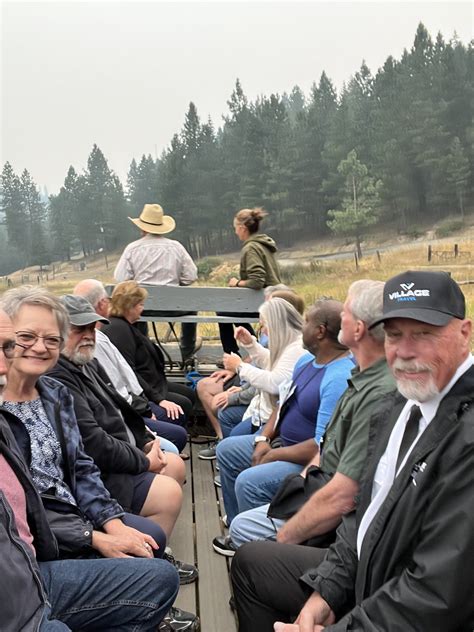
[411, 366]
[3, 380]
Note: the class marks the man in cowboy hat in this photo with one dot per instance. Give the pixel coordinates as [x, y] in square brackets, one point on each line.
[157, 260]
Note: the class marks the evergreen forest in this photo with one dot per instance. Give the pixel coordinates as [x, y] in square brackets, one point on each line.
[395, 147]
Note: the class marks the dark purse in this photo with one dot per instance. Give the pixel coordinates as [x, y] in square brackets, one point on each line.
[293, 494]
[71, 528]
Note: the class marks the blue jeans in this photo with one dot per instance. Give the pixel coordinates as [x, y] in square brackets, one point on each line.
[243, 486]
[229, 418]
[254, 524]
[108, 595]
[243, 428]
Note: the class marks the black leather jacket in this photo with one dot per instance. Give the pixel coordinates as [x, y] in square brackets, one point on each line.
[102, 416]
[22, 596]
[416, 566]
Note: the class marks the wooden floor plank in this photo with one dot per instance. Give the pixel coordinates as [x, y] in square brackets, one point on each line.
[214, 584]
[183, 544]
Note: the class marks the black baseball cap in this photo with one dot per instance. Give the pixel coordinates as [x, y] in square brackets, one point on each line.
[429, 297]
[81, 311]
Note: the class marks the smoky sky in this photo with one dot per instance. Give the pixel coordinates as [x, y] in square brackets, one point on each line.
[122, 74]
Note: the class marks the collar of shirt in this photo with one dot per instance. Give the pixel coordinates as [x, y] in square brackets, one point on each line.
[385, 473]
[360, 378]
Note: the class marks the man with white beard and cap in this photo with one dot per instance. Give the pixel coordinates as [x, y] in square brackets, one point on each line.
[404, 560]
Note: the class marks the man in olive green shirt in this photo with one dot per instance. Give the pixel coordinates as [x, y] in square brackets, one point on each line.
[265, 574]
[344, 446]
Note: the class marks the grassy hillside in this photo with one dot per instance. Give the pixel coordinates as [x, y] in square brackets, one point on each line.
[308, 274]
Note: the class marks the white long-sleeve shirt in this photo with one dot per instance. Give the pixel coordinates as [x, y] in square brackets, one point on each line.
[265, 379]
[156, 260]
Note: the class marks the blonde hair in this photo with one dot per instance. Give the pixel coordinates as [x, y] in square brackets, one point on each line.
[251, 218]
[125, 296]
[284, 325]
[292, 297]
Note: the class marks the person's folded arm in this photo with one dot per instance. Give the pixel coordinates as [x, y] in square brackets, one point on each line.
[322, 512]
[270, 380]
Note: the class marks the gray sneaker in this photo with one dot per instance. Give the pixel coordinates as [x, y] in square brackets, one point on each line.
[209, 454]
[178, 620]
[217, 480]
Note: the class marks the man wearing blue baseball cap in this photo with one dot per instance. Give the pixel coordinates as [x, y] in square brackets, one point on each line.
[404, 560]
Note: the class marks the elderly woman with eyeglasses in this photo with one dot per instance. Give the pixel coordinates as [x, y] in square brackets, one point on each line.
[44, 424]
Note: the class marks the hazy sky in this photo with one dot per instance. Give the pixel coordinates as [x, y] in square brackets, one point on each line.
[122, 74]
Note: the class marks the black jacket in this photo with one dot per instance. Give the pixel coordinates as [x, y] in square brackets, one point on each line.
[103, 429]
[416, 568]
[22, 596]
[143, 356]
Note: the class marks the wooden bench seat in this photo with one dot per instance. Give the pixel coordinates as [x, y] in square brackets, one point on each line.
[164, 303]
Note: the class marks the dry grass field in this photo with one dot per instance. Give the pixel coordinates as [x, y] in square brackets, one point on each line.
[309, 276]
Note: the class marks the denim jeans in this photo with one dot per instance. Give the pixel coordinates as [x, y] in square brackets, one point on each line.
[243, 428]
[229, 418]
[243, 486]
[108, 595]
[253, 525]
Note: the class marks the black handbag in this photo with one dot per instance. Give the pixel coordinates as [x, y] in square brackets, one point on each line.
[293, 493]
[71, 528]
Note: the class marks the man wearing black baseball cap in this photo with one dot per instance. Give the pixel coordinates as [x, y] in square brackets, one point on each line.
[404, 560]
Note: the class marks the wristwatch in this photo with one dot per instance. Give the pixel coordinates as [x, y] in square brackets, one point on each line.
[260, 439]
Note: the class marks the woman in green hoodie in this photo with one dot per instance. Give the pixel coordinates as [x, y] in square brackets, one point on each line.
[258, 265]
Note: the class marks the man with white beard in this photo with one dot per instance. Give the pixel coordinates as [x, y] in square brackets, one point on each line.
[404, 560]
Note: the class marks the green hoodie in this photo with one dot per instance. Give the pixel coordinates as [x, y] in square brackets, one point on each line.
[258, 265]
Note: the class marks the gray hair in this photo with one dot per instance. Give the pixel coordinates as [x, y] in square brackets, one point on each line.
[284, 325]
[13, 300]
[92, 290]
[366, 304]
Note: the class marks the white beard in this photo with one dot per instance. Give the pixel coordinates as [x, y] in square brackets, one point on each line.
[421, 390]
[81, 355]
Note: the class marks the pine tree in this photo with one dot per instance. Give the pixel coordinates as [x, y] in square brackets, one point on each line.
[458, 172]
[35, 215]
[360, 200]
[13, 209]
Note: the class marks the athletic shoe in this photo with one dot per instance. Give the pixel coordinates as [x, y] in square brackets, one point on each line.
[209, 454]
[188, 573]
[224, 546]
[217, 480]
[178, 620]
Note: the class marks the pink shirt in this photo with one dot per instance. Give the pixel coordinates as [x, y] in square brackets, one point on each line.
[15, 495]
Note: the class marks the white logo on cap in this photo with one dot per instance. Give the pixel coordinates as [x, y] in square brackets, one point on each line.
[407, 294]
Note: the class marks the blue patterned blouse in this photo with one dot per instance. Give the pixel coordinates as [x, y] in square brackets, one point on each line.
[46, 457]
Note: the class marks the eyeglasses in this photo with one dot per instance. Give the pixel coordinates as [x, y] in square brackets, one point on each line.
[27, 339]
[8, 349]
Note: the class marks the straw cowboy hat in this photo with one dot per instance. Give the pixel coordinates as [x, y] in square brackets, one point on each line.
[153, 220]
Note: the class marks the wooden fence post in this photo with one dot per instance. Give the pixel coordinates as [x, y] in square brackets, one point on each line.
[429, 253]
